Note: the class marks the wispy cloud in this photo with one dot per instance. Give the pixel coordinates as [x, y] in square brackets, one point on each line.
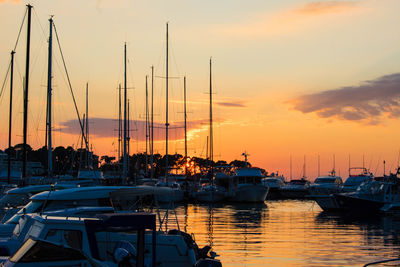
[106, 127]
[10, 1]
[370, 103]
[289, 20]
[324, 7]
[235, 104]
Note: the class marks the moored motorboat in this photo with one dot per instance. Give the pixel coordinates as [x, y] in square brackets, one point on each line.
[244, 186]
[372, 197]
[98, 238]
[328, 202]
[297, 189]
[209, 194]
[275, 184]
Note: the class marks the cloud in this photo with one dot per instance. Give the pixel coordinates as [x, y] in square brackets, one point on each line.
[324, 7]
[371, 102]
[293, 19]
[106, 128]
[231, 104]
[10, 1]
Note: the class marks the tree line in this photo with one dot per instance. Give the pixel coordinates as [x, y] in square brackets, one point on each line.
[67, 160]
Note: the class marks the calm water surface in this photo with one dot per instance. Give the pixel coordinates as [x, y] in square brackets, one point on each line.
[289, 233]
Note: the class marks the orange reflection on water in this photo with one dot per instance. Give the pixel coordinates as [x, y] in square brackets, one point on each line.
[289, 233]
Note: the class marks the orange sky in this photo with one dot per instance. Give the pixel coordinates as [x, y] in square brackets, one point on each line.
[290, 78]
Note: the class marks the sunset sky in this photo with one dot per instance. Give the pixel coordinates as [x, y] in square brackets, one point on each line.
[291, 78]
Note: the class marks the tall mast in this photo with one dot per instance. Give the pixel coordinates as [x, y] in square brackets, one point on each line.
[184, 95]
[211, 125]
[124, 167]
[25, 126]
[152, 129]
[119, 123]
[304, 167]
[290, 167]
[207, 148]
[147, 123]
[128, 139]
[334, 166]
[10, 118]
[87, 126]
[349, 164]
[166, 107]
[49, 102]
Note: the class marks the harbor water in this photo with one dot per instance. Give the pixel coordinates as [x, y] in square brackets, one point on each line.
[289, 233]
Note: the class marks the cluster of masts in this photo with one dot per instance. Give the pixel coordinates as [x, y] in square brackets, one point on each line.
[123, 136]
[123, 125]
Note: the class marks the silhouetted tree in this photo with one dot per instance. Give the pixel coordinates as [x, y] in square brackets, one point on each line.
[239, 164]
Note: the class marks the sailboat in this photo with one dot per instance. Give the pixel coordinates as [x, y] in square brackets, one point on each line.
[297, 188]
[89, 172]
[210, 193]
[177, 194]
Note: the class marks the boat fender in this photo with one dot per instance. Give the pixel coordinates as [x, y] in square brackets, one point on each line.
[188, 238]
[202, 253]
[124, 254]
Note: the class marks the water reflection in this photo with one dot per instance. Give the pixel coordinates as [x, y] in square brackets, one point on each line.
[290, 233]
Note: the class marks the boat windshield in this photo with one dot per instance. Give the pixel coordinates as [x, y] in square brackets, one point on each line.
[14, 200]
[298, 182]
[356, 180]
[39, 251]
[325, 180]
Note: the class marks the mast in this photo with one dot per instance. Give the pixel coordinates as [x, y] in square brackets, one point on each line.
[87, 126]
[119, 123]
[124, 166]
[184, 95]
[304, 167]
[245, 158]
[10, 118]
[334, 166]
[128, 139]
[291, 167]
[25, 126]
[49, 102]
[147, 123]
[349, 164]
[363, 162]
[207, 148]
[166, 107]
[211, 126]
[152, 129]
